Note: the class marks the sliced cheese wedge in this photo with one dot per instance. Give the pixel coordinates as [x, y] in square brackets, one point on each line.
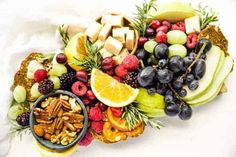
[192, 24]
[104, 53]
[105, 32]
[114, 20]
[93, 31]
[99, 43]
[113, 45]
[130, 40]
[119, 34]
[118, 59]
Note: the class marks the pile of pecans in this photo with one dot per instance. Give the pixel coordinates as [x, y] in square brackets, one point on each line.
[59, 119]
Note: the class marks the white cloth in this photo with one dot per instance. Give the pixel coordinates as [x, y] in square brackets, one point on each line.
[30, 25]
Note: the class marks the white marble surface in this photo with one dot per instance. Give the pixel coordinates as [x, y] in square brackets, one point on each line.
[30, 25]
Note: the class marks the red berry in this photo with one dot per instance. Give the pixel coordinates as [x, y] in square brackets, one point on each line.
[121, 71]
[87, 139]
[162, 28]
[61, 58]
[107, 63]
[95, 114]
[102, 106]
[86, 101]
[40, 75]
[90, 95]
[161, 37]
[116, 111]
[82, 76]
[97, 126]
[178, 26]
[155, 24]
[131, 62]
[88, 83]
[110, 72]
[166, 23]
[117, 78]
[142, 40]
[191, 41]
[79, 88]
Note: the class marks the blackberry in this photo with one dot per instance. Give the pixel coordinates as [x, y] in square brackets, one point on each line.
[23, 119]
[132, 79]
[45, 86]
[67, 80]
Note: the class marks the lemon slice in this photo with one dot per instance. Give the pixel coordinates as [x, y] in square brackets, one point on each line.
[45, 152]
[110, 91]
[76, 49]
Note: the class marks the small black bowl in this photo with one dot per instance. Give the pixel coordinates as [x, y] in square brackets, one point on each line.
[47, 143]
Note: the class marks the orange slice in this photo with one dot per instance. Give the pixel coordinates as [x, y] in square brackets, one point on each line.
[110, 91]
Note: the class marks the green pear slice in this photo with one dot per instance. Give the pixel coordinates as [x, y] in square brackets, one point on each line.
[151, 112]
[153, 101]
[212, 63]
[214, 89]
[172, 11]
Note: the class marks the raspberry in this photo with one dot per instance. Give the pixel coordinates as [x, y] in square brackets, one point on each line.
[166, 23]
[116, 111]
[155, 24]
[162, 28]
[178, 26]
[97, 126]
[117, 78]
[95, 114]
[131, 62]
[192, 41]
[88, 138]
[161, 37]
[40, 75]
[121, 71]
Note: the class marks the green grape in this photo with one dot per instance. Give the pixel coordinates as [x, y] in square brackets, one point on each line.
[177, 49]
[34, 91]
[150, 45]
[57, 70]
[176, 37]
[56, 81]
[19, 94]
[14, 111]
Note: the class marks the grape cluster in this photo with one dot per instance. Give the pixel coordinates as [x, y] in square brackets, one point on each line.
[170, 67]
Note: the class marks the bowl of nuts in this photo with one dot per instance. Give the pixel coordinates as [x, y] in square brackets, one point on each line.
[58, 120]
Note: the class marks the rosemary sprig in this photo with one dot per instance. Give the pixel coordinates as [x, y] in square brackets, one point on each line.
[64, 34]
[207, 15]
[134, 115]
[42, 57]
[91, 60]
[140, 19]
[18, 131]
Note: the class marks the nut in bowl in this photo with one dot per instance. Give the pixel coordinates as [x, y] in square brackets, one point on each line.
[58, 120]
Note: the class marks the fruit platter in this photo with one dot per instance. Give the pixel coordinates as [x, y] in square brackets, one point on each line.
[120, 75]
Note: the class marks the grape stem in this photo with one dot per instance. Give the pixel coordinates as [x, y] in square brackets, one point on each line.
[195, 60]
[176, 94]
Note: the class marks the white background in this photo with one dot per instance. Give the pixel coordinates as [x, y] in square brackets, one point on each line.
[210, 133]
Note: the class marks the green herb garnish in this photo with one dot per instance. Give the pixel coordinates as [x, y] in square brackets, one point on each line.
[134, 115]
[64, 34]
[207, 15]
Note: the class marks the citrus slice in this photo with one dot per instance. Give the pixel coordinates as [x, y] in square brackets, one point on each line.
[118, 122]
[110, 91]
[45, 152]
[76, 48]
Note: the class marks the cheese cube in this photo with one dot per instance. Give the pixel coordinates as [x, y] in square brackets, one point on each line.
[113, 45]
[119, 34]
[192, 24]
[119, 58]
[99, 43]
[130, 40]
[104, 53]
[93, 31]
[105, 31]
[114, 20]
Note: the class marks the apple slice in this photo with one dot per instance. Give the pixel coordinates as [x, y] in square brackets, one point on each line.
[172, 11]
[214, 89]
[212, 63]
[151, 112]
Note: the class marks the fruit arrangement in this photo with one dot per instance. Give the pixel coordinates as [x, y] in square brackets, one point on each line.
[166, 60]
